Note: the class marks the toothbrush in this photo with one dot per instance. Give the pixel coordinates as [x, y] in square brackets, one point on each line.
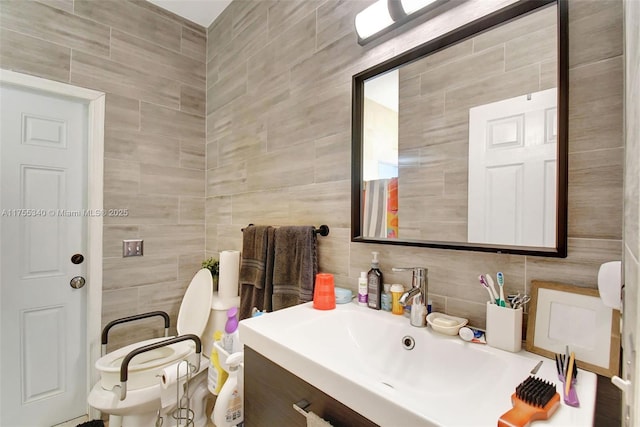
[484, 284]
[493, 287]
[500, 278]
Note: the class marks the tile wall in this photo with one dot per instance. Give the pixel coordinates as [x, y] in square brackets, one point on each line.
[278, 140]
[151, 64]
[632, 190]
[277, 120]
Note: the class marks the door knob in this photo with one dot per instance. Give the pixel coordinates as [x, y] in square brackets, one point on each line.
[77, 282]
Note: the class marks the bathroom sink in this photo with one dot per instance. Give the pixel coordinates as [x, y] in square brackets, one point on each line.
[359, 356]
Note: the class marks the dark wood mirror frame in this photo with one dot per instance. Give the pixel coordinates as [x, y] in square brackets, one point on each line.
[471, 29]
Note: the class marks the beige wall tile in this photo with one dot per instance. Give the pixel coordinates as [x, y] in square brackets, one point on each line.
[595, 30]
[109, 76]
[595, 105]
[280, 168]
[142, 208]
[121, 176]
[321, 203]
[191, 210]
[227, 180]
[194, 44]
[66, 5]
[283, 14]
[581, 265]
[166, 240]
[171, 181]
[336, 18]
[595, 196]
[192, 100]
[56, 26]
[133, 19]
[263, 207]
[120, 273]
[333, 158]
[141, 147]
[165, 121]
[122, 112]
[148, 57]
[34, 56]
[192, 154]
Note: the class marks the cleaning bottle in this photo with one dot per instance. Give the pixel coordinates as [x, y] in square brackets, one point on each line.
[216, 375]
[229, 408]
[231, 338]
[362, 288]
[374, 284]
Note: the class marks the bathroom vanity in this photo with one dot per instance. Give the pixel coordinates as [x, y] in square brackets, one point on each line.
[271, 389]
[351, 366]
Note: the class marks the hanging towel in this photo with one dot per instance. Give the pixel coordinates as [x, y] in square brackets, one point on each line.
[256, 269]
[295, 266]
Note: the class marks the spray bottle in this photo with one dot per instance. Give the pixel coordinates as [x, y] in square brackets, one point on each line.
[229, 408]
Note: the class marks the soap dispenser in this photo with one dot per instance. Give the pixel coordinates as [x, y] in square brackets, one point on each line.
[374, 284]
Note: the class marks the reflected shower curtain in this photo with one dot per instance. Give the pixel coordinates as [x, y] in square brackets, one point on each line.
[380, 213]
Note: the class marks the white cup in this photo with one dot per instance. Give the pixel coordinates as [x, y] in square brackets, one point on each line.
[504, 327]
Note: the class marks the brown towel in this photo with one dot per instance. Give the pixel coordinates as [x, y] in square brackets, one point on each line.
[295, 266]
[256, 269]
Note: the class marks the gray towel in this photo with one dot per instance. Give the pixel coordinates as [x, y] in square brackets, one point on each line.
[256, 269]
[295, 266]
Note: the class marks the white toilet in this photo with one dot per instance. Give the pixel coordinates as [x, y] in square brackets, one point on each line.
[142, 404]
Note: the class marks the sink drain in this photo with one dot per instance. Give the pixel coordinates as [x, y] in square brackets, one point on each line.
[408, 342]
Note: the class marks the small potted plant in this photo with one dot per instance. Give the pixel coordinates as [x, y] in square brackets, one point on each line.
[213, 265]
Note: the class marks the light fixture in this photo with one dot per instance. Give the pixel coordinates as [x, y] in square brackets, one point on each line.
[373, 19]
[386, 15]
[411, 6]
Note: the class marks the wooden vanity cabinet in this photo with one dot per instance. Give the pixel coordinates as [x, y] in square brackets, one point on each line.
[270, 392]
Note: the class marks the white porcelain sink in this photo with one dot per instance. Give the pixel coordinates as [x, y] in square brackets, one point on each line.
[356, 355]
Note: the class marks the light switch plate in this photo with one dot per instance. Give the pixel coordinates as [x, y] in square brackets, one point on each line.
[132, 247]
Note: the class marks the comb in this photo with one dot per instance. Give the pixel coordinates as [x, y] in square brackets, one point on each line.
[534, 399]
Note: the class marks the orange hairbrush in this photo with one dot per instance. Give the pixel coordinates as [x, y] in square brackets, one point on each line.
[534, 399]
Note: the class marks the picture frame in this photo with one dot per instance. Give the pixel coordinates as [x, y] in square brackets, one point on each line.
[562, 315]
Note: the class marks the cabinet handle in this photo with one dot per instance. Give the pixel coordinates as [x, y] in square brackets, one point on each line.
[301, 407]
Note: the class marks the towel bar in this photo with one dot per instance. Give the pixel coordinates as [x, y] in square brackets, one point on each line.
[323, 230]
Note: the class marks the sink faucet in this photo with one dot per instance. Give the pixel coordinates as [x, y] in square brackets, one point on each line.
[419, 285]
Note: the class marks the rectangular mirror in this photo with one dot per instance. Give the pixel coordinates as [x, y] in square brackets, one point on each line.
[461, 142]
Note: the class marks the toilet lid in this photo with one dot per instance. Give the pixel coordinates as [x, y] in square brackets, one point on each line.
[196, 304]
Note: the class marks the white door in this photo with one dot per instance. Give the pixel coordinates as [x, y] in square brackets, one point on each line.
[512, 179]
[43, 175]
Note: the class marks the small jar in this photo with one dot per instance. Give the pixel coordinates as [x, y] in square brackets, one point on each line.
[396, 292]
[386, 297]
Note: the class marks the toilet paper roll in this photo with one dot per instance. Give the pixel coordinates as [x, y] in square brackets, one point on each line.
[172, 382]
[229, 271]
[171, 374]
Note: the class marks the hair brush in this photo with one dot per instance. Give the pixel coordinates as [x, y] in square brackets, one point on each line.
[534, 399]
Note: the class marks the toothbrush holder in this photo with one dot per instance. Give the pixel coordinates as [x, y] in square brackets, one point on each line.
[504, 327]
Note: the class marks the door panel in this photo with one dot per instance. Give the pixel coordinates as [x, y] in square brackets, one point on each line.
[43, 175]
[512, 180]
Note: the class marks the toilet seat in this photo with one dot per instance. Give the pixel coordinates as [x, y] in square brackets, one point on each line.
[144, 368]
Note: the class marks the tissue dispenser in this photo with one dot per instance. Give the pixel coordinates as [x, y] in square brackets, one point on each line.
[610, 284]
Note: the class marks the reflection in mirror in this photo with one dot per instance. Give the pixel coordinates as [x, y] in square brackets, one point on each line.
[462, 145]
